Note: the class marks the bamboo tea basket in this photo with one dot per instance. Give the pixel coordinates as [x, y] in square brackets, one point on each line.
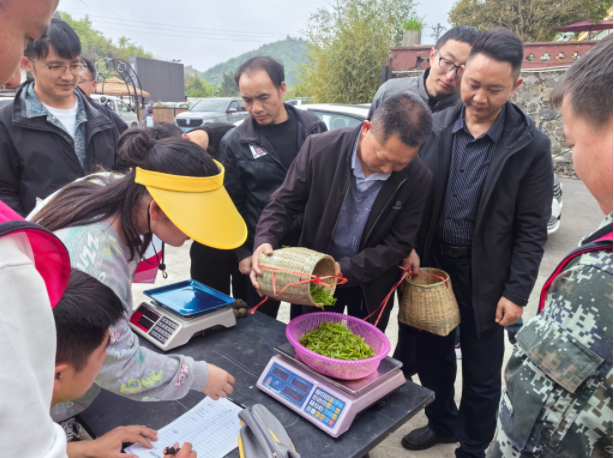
[428, 304]
[301, 260]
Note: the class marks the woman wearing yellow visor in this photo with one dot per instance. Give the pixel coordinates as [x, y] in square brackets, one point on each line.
[173, 190]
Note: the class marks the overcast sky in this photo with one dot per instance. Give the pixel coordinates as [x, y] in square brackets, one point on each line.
[203, 33]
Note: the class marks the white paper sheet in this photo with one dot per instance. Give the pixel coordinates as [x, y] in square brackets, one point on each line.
[212, 427]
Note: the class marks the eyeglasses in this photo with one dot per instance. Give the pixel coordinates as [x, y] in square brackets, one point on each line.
[59, 70]
[449, 65]
[83, 80]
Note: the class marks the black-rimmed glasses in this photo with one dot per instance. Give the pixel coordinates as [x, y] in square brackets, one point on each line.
[448, 65]
[59, 70]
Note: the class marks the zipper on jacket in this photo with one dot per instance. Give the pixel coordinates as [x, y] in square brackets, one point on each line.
[384, 208]
[257, 423]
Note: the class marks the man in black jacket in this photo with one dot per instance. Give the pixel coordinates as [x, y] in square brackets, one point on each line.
[259, 152]
[362, 191]
[52, 133]
[485, 225]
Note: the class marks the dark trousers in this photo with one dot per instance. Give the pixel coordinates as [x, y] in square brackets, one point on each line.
[474, 422]
[218, 269]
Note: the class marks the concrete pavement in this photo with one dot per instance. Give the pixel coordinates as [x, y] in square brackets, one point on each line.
[581, 215]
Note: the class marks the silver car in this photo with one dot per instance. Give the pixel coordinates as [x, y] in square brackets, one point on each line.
[214, 109]
[119, 107]
[336, 116]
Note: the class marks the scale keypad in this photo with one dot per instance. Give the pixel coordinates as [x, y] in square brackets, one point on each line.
[163, 329]
[324, 407]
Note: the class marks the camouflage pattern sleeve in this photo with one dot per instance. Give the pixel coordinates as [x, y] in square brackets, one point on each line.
[558, 396]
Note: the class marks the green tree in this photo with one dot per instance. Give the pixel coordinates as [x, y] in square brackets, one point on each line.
[531, 20]
[197, 87]
[348, 44]
[228, 87]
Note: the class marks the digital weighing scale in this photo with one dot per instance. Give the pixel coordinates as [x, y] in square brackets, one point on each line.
[178, 311]
[330, 404]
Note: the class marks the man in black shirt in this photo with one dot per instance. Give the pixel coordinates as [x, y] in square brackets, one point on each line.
[258, 153]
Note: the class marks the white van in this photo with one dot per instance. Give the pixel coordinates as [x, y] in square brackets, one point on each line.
[120, 107]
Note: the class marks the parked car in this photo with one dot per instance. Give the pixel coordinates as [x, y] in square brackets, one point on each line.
[213, 109]
[298, 101]
[120, 107]
[336, 116]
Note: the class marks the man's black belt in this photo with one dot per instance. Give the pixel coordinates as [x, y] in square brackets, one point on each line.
[455, 251]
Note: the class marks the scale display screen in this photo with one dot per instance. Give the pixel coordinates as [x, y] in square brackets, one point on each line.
[149, 317]
[281, 374]
[300, 385]
[293, 394]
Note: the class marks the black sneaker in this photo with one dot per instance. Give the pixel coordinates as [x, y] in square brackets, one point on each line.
[423, 438]
[71, 429]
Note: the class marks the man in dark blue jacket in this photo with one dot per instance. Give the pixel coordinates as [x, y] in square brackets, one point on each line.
[485, 224]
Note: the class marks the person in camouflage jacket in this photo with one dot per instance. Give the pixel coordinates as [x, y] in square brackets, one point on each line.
[558, 396]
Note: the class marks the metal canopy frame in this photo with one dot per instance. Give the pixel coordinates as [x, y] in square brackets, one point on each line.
[106, 68]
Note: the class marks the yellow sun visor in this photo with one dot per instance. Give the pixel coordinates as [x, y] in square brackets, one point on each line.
[199, 206]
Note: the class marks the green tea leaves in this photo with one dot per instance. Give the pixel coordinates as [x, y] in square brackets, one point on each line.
[335, 340]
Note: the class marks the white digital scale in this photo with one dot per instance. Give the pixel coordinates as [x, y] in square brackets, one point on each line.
[176, 312]
[330, 404]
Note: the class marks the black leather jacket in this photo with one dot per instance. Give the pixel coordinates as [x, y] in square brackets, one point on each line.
[35, 158]
[254, 170]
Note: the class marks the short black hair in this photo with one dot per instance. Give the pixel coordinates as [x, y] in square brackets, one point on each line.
[588, 84]
[61, 36]
[272, 66]
[404, 115]
[500, 44]
[462, 33]
[82, 317]
[164, 130]
[90, 66]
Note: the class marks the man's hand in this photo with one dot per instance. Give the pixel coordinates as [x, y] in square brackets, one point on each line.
[219, 384]
[507, 312]
[245, 266]
[110, 444]
[414, 262]
[265, 248]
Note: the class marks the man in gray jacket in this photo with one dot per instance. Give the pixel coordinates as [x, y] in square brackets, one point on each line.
[439, 85]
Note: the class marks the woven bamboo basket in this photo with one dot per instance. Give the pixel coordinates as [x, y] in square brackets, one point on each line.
[301, 260]
[428, 304]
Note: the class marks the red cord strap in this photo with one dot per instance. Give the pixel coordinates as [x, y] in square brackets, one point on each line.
[314, 279]
[406, 273]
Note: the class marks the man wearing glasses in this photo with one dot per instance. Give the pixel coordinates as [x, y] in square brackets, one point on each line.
[485, 224]
[52, 133]
[439, 85]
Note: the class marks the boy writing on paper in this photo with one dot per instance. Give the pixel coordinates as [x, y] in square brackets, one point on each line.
[82, 320]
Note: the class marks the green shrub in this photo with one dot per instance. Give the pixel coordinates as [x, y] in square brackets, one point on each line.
[415, 22]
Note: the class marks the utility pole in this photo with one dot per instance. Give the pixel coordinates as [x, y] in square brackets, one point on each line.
[437, 30]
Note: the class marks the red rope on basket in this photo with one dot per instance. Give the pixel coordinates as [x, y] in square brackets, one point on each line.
[406, 273]
[314, 279]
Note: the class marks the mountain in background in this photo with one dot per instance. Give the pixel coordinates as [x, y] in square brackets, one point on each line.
[290, 52]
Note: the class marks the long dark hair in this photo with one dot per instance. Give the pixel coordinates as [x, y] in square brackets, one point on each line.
[87, 202]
